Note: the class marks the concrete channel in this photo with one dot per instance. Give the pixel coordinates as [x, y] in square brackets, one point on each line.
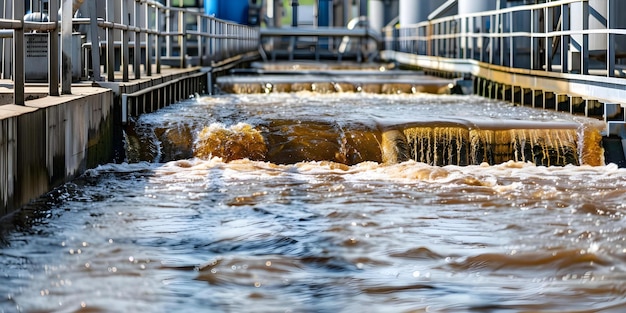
[53, 139]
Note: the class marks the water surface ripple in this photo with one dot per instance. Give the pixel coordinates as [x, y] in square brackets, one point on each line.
[204, 235]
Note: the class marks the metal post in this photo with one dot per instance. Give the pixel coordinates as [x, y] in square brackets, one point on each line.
[200, 27]
[565, 39]
[125, 39]
[182, 40]
[157, 38]
[95, 41]
[610, 47]
[110, 17]
[294, 11]
[548, 24]
[5, 53]
[584, 64]
[53, 69]
[137, 48]
[148, 41]
[66, 41]
[18, 54]
[533, 54]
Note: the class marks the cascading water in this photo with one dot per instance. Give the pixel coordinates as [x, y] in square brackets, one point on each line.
[255, 127]
[342, 202]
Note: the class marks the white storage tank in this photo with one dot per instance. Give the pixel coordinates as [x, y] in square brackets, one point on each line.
[381, 12]
[415, 11]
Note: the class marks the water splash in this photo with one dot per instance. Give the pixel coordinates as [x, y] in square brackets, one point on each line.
[239, 141]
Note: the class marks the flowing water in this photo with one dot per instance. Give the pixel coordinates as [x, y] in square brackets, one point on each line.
[331, 203]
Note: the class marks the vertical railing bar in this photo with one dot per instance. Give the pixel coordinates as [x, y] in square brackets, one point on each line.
[532, 40]
[95, 42]
[511, 42]
[149, 37]
[548, 22]
[168, 28]
[585, 44]
[18, 54]
[610, 49]
[182, 38]
[200, 27]
[158, 39]
[53, 69]
[66, 41]
[137, 40]
[125, 41]
[565, 39]
[110, 17]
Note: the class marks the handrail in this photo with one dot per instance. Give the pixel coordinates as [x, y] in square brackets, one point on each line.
[159, 33]
[500, 37]
[321, 36]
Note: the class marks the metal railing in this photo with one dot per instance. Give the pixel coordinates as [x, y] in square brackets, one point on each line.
[156, 34]
[356, 40]
[552, 37]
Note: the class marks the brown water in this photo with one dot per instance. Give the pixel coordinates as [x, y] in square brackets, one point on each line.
[346, 234]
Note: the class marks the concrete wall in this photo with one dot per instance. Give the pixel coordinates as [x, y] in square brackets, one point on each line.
[52, 140]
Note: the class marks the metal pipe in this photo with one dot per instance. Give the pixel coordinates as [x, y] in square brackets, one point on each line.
[294, 11]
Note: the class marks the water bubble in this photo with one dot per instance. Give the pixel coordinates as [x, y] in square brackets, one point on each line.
[257, 284]
[268, 263]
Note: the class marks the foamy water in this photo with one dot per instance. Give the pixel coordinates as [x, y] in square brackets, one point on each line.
[205, 235]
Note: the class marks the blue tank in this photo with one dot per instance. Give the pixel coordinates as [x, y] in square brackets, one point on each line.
[211, 7]
[233, 10]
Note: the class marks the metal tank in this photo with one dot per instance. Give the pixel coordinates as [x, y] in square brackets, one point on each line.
[415, 11]
[473, 6]
[478, 48]
[381, 12]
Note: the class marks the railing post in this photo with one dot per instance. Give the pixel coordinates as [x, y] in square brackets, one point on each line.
[66, 41]
[549, 22]
[200, 22]
[182, 41]
[137, 34]
[53, 67]
[294, 10]
[110, 17]
[610, 48]
[148, 40]
[18, 54]
[125, 39]
[157, 38]
[584, 64]
[95, 41]
[565, 39]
